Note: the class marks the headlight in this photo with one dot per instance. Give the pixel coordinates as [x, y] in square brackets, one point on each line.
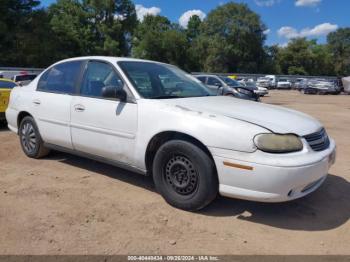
[274, 143]
[244, 91]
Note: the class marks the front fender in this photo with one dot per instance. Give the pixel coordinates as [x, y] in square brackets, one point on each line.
[214, 131]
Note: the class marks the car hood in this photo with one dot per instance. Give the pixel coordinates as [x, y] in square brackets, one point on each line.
[274, 118]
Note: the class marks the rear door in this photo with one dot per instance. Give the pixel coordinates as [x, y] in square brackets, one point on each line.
[52, 101]
[100, 126]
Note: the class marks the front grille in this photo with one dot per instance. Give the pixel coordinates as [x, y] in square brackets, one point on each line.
[318, 141]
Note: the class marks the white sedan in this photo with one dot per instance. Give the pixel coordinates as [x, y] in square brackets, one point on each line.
[155, 119]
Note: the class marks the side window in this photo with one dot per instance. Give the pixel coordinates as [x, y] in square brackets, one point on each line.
[61, 78]
[97, 76]
[213, 81]
[202, 79]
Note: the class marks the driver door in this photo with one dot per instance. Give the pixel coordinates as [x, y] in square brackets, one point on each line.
[100, 126]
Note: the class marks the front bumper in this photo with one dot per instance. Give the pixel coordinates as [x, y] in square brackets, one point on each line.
[261, 92]
[254, 97]
[272, 180]
[284, 86]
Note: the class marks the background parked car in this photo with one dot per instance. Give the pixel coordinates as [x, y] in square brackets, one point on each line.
[23, 79]
[321, 86]
[261, 91]
[263, 82]
[346, 84]
[6, 86]
[284, 83]
[221, 85]
[299, 83]
[273, 81]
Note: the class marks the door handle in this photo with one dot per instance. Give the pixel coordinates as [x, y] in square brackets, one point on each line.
[36, 102]
[79, 108]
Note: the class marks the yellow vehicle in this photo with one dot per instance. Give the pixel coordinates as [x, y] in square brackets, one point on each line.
[234, 77]
[6, 86]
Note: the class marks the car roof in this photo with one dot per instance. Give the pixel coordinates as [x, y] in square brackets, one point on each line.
[111, 59]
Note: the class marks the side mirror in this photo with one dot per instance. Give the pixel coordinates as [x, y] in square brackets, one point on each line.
[114, 92]
[218, 85]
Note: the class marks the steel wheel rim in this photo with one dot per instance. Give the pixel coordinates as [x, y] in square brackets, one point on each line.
[181, 175]
[28, 137]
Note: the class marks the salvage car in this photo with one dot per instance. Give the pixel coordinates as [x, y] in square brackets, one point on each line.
[260, 91]
[225, 86]
[321, 87]
[23, 79]
[6, 85]
[119, 111]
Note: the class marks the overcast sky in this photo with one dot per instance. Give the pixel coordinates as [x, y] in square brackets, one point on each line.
[284, 19]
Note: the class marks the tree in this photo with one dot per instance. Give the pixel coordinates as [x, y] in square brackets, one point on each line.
[305, 57]
[38, 41]
[73, 27]
[113, 23]
[156, 38]
[193, 27]
[236, 39]
[13, 22]
[339, 45]
[271, 65]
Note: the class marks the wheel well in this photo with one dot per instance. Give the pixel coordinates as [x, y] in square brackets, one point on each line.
[158, 140]
[20, 117]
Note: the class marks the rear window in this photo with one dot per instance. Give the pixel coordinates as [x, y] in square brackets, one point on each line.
[6, 84]
[61, 78]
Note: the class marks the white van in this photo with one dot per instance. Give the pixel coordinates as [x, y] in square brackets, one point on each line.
[273, 81]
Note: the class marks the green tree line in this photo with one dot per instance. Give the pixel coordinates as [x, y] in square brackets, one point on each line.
[230, 39]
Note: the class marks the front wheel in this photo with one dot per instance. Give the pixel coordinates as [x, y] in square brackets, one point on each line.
[185, 175]
[31, 142]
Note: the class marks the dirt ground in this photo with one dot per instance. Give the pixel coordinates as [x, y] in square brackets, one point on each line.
[65, 204]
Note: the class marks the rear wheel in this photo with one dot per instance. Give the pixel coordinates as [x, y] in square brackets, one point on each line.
[31, 142]
[185, 175]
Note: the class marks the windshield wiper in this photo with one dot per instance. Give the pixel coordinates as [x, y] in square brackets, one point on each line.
[166, 97]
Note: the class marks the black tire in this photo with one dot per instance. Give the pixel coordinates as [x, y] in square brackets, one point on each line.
[185, 175]
[30, 139]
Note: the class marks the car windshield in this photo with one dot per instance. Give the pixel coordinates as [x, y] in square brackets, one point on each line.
[230, 81]
[6, 84]
[161, 81]
[283, 80]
